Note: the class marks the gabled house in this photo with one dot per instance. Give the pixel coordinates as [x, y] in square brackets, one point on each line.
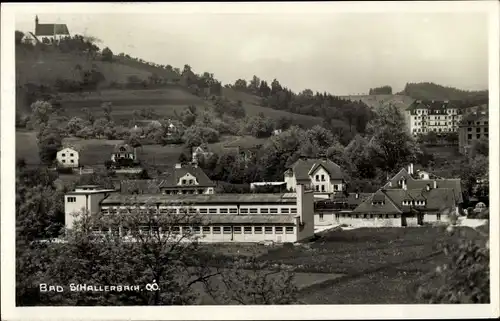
[200, 151]
[123, 151]
[185, 179]
[68, 157]
[407, 179]
[323, 175]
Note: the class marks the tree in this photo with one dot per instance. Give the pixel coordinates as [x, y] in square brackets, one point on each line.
[107, 55]
[464, 278]
[41, 111]
[197, 135]
[88, 115]
[391, 141]
[250, 281]
[49, 142]
[107, 108]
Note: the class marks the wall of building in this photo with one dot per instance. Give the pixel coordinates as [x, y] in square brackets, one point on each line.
[70, 158]
[435, 218]
[291, 182]
[305, 209]
[84, 201]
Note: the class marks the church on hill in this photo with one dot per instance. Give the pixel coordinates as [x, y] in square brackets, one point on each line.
[51, 31]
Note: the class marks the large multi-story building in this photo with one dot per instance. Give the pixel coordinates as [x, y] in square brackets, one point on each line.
[433, 116]
[473, 127]
[284, 217]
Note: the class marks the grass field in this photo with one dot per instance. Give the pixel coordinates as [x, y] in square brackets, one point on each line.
[41, 67]
[361, 266]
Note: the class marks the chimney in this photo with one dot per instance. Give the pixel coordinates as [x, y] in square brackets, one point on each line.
[428, 187]
[357, 195]
[135, 153]
[178, 165]
[435, 184]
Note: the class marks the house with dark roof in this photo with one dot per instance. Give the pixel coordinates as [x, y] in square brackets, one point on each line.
[123, 152]
[51, 31]
[323, 175]
[408, 199]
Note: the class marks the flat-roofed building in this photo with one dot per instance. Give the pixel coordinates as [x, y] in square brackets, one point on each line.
[283, 217]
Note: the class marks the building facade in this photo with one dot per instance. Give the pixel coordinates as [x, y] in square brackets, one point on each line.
[433, 116]
[323, 175]
[68, 157]
[286, 217]
[123, 152]
[474, 127]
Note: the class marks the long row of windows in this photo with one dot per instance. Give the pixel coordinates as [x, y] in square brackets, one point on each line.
[191, 210]
[339, 215]
[207, 230]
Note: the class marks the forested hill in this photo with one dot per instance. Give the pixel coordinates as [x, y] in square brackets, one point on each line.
[432, 91]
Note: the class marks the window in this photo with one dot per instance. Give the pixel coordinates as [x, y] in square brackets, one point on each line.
[71, 154]
[206, 229]
[371, 215]
[223, 210]
[273, 211]
[317, 178]
[183, 182]
[64, 161]
[247, 230]
[386, 215]
[237, 229]
[71, 199]
[478, 130]
[253, 211]
[269, 230]
[365, 216]
[227, 229]
[289, 230]
[336, 187]
[264, 211]
[478, 136]
[72, 161]
[486, 122]
[185, 230]
[212, 210]
[233, 211]
[438, 216]
[196, 230]
[323, 188]
[485, 129]
[244, 210]
[469, 136]
[317, 187]
[216, 230]
[278, 229]
[258, 229]
[63, 155]
[322, 178]
[285, 210]
[293, 210]
[192, 210]
[321, 217]
[203, 211]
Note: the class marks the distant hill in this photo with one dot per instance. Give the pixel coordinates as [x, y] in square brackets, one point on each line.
[432, 91]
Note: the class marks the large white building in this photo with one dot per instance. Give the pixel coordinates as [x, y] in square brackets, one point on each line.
[284, 217]
[68, 157]
[323, 175]
[433, 116]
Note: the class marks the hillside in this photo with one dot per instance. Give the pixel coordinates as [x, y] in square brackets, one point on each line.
[376, 101]
[432, 91]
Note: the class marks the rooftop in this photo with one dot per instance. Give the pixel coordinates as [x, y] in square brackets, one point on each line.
[199, 199]
[305, 167]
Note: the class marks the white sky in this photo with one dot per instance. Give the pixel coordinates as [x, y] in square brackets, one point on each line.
[342, 53]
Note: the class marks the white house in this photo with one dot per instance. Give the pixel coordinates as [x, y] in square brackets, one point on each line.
[323, 175]
[433, 116]
[68, 157]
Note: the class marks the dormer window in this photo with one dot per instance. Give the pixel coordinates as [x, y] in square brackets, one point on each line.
[122, 149]
[378, 202]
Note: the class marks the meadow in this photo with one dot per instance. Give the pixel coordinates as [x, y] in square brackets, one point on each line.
[359, 266]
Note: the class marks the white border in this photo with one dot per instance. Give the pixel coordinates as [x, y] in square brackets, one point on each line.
[10, 312]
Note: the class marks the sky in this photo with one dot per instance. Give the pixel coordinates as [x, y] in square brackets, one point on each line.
[341, 53]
